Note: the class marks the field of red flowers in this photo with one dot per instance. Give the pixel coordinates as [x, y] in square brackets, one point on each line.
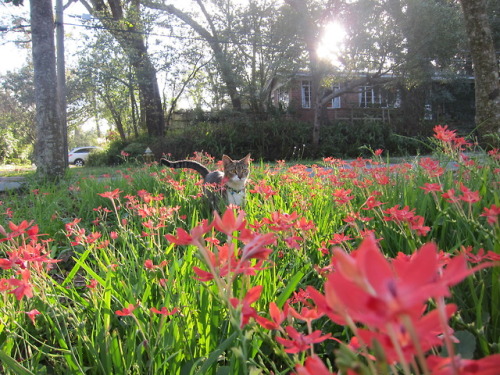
[361, 267]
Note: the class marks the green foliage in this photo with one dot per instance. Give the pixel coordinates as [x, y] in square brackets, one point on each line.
[15, 2]
[119, 152]
[100, 158]
[17, 114]
[278, 138]
[236, 133]
[353, 140]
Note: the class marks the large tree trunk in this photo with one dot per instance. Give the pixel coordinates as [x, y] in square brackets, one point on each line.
[316, 95]
[49, 146]
[124, 25]
[485, 68]
[148, 84]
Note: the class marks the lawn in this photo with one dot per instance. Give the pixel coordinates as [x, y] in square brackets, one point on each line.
[359, 267]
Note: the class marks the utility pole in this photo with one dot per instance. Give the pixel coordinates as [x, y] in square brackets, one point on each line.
[61, 75]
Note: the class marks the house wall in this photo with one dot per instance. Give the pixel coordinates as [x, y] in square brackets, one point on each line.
[349, 110]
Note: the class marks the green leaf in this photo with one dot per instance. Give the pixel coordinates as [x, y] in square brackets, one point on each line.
[214, 356]
[289, 289]
[467, 344]
[11, 364]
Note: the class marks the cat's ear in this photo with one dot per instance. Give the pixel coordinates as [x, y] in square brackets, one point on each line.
[246, 159]
[226, 160]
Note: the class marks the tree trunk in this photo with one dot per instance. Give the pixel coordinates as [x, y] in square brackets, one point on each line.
[61, 74]
[49, 146]
[316, 106]
[148, 89]
[126, 29]
[485, 68]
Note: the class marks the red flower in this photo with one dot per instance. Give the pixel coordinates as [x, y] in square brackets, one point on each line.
[202, 274]
[449, 137]
[373, 292]
[183, 237]
[299, 342]
[24, 287]
[32, 314]
[480, 256]
[469, 196]
[4, 285]
[115, 194]
[281, 221]
[263, 189]
[399, 215]
[255, 248]
[432, 167]
[341, 196]
[126, 311]
[428, 187]
[491, 214]
[339, 238]
[277, 317]
[312, 366]
[450, 196]
[458, 366]
[304, 224]
[443, 134]
[148, 264]
[428, 331]
[164, 311]
[247, 311]
[371, 203]
[417, 224]
[306, 314]
[229, 223]
[92, 284]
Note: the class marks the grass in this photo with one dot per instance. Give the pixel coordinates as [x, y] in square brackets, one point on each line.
[132, 293]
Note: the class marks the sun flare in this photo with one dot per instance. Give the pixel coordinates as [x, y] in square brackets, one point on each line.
[331, 43]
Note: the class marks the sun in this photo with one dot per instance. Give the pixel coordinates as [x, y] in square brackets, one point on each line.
[331, 43]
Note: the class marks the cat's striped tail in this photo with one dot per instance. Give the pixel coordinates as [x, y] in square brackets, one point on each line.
[201, 169]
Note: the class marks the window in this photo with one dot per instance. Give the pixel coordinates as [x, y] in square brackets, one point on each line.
[369, 97]
[379, 97]
[335, 101]
[283, 98]
[306, 94]
[428, 112]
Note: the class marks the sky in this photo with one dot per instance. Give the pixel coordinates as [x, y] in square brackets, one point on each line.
[16, 54]
[12, 57]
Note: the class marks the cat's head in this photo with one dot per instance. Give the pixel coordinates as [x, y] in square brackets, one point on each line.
[236, 170]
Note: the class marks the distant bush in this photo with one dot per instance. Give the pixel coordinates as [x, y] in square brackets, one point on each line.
[119, 152]
[236, 135]
[278, 138]
[98, 159]
[271, 138]
[347, 140]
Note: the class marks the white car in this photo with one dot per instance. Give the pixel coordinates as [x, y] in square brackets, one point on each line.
[79, 155]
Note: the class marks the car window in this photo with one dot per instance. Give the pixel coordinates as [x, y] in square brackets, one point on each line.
[84, 151]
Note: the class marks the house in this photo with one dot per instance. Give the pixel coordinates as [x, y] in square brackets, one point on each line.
[382, 100]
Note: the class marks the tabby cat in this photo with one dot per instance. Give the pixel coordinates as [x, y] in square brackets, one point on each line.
[227, 186]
